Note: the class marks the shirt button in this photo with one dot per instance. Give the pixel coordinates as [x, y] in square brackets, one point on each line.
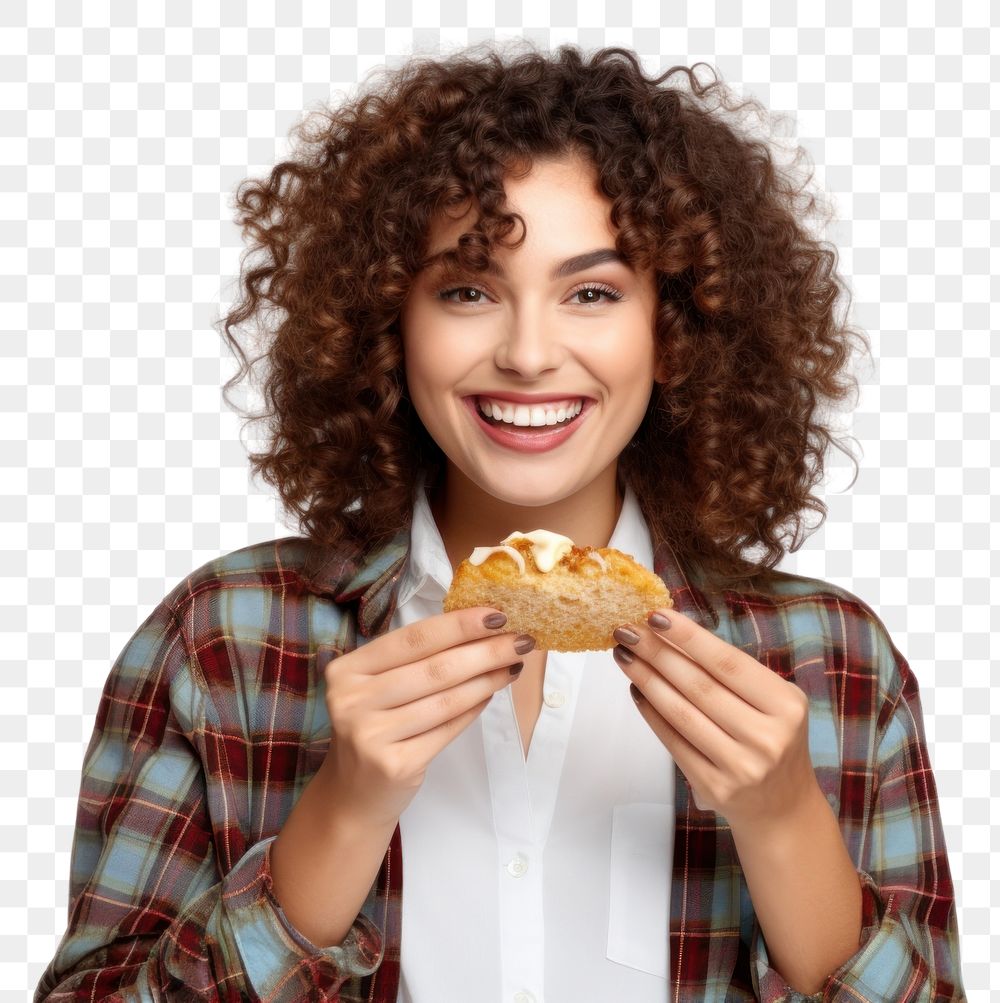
[523, 997]
[555, 698]
[517, 865]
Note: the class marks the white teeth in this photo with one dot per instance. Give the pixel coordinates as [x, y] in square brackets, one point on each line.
[525, 416]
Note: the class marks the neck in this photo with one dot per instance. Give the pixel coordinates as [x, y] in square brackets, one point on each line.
[468, 517]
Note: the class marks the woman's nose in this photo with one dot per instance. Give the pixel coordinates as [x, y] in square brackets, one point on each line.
[529, 343]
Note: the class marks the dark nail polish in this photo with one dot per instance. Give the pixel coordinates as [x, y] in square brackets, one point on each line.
[626, 635]
[524, 643]
[623, 655]
[494, 620]
[658, 620]
[515, 670]
[634, 690]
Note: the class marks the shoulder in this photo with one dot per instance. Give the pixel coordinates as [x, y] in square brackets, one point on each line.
[273, 564]
[259, 606]
[795, 603]
[199, 603]
[237, 640]
[805, 626]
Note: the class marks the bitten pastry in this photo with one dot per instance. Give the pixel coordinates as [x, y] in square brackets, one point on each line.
[567, 598]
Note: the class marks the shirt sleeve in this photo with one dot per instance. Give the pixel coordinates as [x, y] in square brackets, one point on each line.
[909, 950]
[153, 912]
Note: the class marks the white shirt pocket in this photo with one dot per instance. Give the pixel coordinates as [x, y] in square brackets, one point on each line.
[642, 839]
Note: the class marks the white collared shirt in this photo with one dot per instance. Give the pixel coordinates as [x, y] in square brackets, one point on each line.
[546, 880]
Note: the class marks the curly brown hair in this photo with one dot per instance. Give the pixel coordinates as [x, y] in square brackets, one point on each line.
[749, 347]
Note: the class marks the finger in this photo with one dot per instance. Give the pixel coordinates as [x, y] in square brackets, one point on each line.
[424, 747]
[447, 669]
[430, 713]
[711, 742]
[424, 638]
[739, 719]
[736, 670]
[699, 770]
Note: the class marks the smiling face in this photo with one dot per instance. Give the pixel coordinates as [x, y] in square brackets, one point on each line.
[563, 324]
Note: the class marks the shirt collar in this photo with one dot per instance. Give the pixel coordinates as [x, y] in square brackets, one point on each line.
[428, 572]
[631, 534]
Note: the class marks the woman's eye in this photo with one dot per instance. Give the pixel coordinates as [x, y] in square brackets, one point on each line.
[446, 294]
[592, 294]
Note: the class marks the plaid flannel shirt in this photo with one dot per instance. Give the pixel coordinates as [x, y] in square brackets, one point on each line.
[213, 720]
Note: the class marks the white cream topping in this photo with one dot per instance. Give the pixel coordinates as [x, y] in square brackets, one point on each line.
[546, 548]
[595, 556]
[551, 413]
[481, 553]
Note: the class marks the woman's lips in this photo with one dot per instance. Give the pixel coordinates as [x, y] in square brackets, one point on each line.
[534, 441]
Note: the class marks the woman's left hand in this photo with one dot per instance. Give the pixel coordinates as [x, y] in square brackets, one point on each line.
[738, 732]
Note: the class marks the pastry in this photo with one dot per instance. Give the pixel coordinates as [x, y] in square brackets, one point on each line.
[567, 598]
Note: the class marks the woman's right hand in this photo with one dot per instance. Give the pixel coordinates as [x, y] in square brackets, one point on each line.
[397, 701]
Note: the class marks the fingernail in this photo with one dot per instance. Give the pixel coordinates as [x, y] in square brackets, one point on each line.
[626, 635]
[524, 643]
[494, 620]
[634, 690]
[658, 620]
[623, 655]
[515, 670]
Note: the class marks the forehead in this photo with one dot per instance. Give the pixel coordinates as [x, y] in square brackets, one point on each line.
[561, 207]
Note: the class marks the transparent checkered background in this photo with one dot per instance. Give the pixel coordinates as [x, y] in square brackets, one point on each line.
[123, 471]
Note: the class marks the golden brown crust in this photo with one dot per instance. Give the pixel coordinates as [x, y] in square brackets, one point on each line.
[573, 607]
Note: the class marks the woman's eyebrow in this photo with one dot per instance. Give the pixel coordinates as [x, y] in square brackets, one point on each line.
[581, 261]
[568, 267]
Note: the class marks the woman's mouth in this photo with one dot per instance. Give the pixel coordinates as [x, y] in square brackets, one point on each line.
[533, 438]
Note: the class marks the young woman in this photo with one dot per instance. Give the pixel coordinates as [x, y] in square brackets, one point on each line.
[506, 292]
